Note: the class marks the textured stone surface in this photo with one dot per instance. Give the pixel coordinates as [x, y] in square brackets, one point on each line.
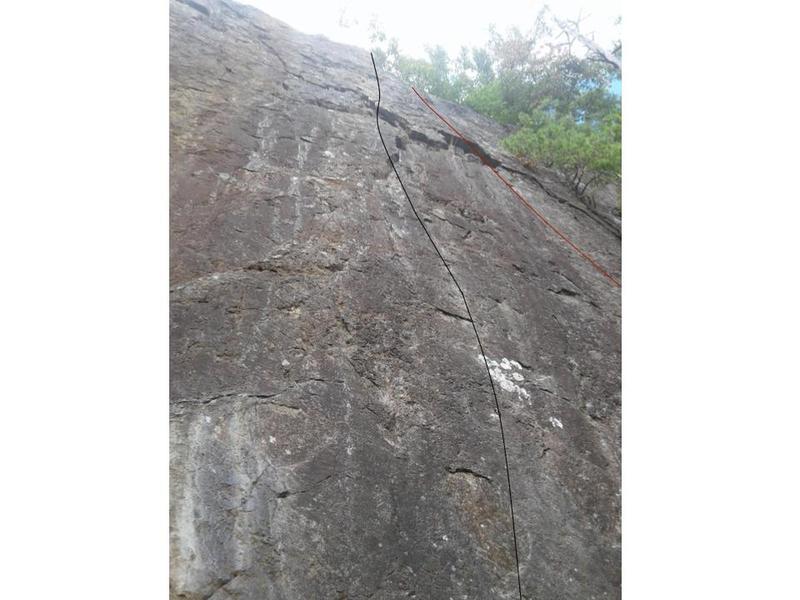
[332, 427]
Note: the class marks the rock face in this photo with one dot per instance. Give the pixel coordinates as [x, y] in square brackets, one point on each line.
[333, 432]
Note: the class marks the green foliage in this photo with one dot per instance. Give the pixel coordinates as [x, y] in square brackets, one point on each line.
[586, 153]
[488, 100]
[433, 76]
[436, 75]
[482, 65]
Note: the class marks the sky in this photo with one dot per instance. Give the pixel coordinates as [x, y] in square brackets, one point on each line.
[420, 23]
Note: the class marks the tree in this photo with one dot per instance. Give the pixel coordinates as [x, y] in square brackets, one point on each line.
[436, 74]
[572, 29]
[584, 154]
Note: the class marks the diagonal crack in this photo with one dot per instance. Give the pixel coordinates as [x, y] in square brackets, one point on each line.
[452, 314]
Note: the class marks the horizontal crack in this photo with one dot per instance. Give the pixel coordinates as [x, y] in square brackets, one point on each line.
[242, 395]
[467, 471]
[287, 493]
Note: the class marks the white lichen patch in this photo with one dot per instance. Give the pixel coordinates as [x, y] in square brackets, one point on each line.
[556, 423]
[504, 373]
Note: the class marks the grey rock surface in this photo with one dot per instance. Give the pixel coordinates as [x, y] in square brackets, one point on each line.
[333, 432]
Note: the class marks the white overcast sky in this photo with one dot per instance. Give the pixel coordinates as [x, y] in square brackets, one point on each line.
[420, 23]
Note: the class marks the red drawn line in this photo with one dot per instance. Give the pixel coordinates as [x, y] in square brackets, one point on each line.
[480, 155]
